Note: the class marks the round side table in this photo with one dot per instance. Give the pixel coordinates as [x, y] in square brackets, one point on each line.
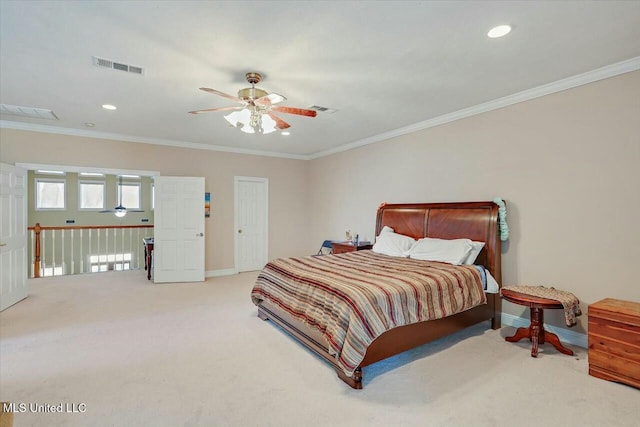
[535, 332]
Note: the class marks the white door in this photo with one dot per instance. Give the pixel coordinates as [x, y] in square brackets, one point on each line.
[251, 223]
[13, 235]
[178, 252]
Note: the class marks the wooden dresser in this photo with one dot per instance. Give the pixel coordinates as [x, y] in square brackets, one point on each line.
[614, 341]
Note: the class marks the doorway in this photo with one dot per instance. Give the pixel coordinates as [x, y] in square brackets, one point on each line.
[251, 203]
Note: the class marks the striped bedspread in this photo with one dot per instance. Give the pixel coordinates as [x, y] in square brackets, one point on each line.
[353, 298]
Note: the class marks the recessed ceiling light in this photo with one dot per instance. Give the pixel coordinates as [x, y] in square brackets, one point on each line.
[109, 107]
[285, 133]
[499, 31]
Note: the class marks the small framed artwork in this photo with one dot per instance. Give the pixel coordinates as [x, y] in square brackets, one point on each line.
[207, 205]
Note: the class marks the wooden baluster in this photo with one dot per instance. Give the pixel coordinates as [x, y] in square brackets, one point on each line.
[36, 262]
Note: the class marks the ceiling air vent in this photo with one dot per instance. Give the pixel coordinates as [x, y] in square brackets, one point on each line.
[107, 63]
[30, 112]
[323, 109]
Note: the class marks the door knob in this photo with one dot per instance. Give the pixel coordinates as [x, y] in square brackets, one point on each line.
[200, 234]
[240, 231]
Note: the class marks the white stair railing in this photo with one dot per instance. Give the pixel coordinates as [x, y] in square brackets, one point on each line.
[61, 250]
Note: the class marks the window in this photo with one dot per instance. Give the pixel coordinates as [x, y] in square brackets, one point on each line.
[55, 270]
[91, 194]
[50, 194]
[129, 194]
[109, 262]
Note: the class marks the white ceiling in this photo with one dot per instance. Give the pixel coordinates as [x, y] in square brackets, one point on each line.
[386, 66]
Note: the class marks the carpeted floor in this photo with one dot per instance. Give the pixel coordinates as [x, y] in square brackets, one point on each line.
[121, 351]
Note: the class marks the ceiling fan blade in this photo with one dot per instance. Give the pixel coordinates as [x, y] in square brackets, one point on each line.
[280, 124]
[270, 99]
[208, 110]
[224, 95]
[108, 211]
[298, 111]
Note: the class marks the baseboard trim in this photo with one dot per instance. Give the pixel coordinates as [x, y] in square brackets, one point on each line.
[220, 273]
[566, 336]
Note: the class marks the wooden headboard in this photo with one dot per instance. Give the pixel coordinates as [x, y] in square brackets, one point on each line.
[477, 221]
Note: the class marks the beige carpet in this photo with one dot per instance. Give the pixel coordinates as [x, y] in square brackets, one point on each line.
[138, 354]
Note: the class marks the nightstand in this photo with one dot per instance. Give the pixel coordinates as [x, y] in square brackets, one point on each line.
[342, 247]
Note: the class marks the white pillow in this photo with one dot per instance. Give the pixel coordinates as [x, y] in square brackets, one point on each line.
[476, 247]
[442, 250]
[386, 229]
[392, 244]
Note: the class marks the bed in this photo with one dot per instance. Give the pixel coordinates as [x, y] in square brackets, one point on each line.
[477, 221]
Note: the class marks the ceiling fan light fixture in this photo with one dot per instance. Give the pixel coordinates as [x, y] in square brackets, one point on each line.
[246, 128]
[120, 212]
[238, 119]
[268, 124]
[249, 121]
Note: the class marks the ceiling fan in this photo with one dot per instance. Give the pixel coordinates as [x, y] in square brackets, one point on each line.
[120, 210]
[256, 113]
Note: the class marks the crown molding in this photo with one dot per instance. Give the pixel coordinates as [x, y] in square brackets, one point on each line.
[80, 169]
[143, 140]
[602, 73]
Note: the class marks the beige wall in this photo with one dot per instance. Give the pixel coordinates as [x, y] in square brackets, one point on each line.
[288, 182]
[567, 164]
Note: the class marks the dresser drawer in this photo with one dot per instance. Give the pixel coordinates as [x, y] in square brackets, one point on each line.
[622, 332]
[615, 365]
[614, 347]
[625, 312]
